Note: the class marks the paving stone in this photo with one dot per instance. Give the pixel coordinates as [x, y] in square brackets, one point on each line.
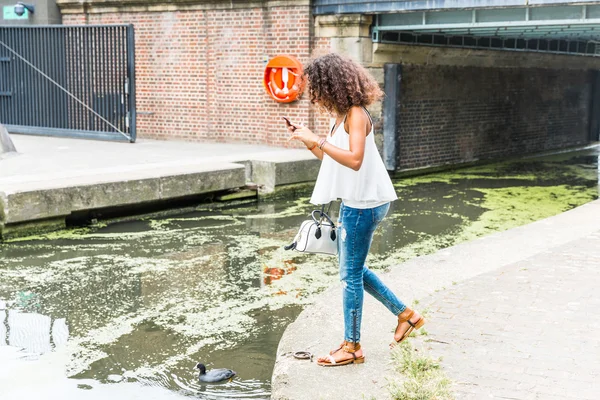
[532, 333]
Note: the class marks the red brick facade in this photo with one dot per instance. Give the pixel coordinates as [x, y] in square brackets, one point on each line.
[199, 72]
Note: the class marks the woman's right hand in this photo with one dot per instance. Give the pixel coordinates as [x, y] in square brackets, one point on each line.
[304, 135]
[290, 126]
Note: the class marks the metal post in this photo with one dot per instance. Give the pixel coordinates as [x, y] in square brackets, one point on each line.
[131, 74]
[594, 108]
[391, 106]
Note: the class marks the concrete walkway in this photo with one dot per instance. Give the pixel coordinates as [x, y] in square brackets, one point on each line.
[530, 330]
[514, 315]
[50, 177]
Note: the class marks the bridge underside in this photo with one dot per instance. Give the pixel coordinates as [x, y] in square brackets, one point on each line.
[571, 27]
[560, 29]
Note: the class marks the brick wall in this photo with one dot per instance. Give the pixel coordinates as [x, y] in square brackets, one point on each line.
[199, 72]
[460, 114]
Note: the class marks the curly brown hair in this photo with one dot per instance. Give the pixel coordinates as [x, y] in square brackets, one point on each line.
[337, 83]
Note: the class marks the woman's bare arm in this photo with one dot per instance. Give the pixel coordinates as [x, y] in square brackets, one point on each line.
[357, 126]
[357, 122]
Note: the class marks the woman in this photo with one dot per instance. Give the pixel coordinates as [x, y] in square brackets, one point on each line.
[352, 170]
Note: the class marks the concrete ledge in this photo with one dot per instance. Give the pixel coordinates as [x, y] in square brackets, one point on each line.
[30, 201]
[281, 170]
[319, 327]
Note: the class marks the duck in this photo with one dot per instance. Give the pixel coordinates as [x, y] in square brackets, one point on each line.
[214, 375]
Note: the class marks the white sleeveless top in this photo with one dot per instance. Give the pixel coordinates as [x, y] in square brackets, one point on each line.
[368, 187]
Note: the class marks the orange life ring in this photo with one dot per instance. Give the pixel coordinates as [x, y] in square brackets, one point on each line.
[282, 78]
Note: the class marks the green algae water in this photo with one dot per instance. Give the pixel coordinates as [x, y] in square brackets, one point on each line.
[127, 310]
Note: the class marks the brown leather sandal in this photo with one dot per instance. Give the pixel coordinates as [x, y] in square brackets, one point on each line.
[405, 316]
[348, 347]
[332, 352]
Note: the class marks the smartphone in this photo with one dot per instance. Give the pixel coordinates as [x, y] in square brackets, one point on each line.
[289, 123]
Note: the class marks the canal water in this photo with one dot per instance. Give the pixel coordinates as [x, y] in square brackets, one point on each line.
[127, 310]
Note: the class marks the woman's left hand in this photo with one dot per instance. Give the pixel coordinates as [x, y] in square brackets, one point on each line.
[304, 135]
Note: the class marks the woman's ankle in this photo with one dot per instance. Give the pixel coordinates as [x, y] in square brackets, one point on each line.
[351, 347]
[409, 314]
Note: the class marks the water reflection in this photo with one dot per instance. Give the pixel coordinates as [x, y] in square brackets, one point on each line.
[145, 301]
[33, 333]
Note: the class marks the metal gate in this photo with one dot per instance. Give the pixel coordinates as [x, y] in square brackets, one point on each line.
[74, 81]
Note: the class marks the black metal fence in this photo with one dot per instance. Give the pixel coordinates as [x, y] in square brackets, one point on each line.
[76, 81]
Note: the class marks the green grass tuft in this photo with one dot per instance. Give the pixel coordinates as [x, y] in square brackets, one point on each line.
[423, 377]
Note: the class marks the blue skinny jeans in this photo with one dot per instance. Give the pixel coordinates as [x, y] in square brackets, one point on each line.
[356, 228]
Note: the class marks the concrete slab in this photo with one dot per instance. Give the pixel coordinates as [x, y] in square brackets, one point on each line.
[44, 158]
[30, 201]
[52, 177]
[283, 169]
[319, 327]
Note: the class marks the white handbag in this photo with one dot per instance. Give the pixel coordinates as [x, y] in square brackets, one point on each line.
[316, 235]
